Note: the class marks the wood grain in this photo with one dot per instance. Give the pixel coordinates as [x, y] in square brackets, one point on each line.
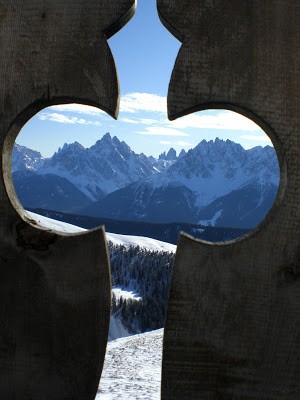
[54, 288]
[233, 321]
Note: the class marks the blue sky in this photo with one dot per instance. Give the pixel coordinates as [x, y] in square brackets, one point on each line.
[145, 53]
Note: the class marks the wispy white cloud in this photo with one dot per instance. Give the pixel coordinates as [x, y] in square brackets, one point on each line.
[147, 114]
[64, 119]
[77, 108]
[256, 138]
[129, 103]
[162, 131]
[134, 102]
[143, 121]
[153, 103]
[180, 143]
[207, 119]
[226, 120]
[183, 144]
[166, 142]
[129, 120]
[148, 121]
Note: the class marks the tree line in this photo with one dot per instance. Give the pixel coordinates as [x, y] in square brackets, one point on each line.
[148, 273]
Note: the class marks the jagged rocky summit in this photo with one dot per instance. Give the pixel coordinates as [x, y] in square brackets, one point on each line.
[217, 183]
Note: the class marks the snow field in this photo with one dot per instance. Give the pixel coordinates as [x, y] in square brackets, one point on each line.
[145, 242]
[125, 240]
[132, 368]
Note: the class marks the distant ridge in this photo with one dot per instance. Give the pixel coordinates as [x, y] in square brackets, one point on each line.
[218, 183]
[168, 232]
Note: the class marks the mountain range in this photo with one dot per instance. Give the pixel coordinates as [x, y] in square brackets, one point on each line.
[217, 183]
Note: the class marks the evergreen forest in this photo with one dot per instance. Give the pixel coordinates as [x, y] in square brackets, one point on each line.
[148, 273]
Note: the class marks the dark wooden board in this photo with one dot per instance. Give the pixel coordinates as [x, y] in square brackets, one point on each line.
[233, 321]
[54, 288]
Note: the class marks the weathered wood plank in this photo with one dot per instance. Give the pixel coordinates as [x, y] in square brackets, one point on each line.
[233, 321]
[54, 288]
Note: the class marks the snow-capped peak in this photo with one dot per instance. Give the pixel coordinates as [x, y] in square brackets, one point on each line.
[71, 148]
[212, 170]
[106, 166]
[25, 159]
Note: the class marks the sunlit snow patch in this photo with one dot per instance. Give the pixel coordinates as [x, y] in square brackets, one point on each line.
[116, 239]
[54, 225]
[212, 221]
[132, 368]
[125, 294]
[144, 242]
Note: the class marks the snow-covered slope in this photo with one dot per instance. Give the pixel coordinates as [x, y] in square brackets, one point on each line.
[241, 208]
[111, 181]
[106, 166]
[54, 225]
[25, 159]
[144, 242]
[209, 171]
[50, 192]
[132, 368]
[125, 240]
[215, 168]
[116, 329]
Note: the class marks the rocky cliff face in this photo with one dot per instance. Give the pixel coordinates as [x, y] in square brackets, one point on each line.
[25, 159]
[212, 181]
[217, 183]
[101, 169]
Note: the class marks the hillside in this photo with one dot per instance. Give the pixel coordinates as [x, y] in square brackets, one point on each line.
[139, 265]
[132, 368]
[205, 175]
[167, 232]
